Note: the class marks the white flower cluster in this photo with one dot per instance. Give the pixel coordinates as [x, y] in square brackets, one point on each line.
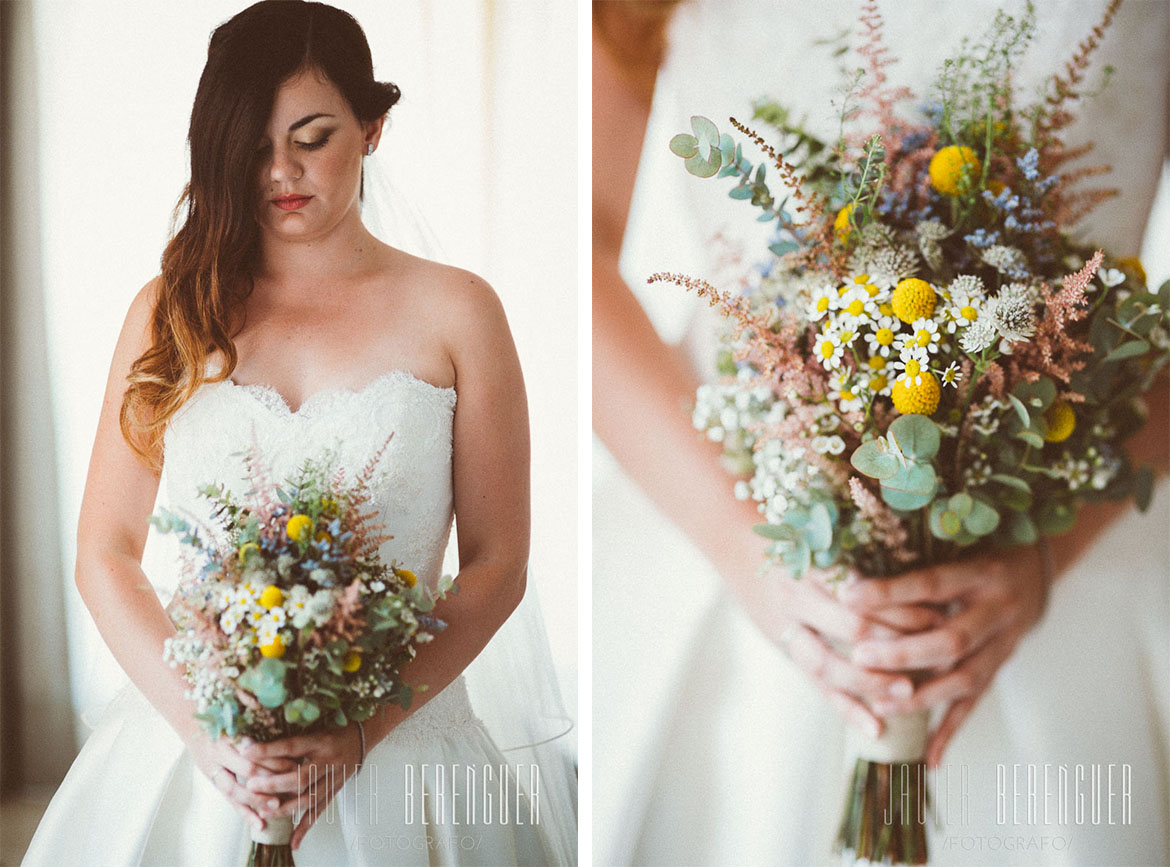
[783, 477]
[726, 411]
[1093, 470]
[985, 416]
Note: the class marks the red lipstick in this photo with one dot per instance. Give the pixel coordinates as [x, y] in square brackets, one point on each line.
[291, 203]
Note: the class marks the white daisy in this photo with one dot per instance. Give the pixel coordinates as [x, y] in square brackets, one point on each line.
[823, 300]
[962, 311]
[911, 369]
[844, 394]
[923, 337]
[857, 306]
[952, 375]
[829, 350]
[1110, 277]
[883, 336]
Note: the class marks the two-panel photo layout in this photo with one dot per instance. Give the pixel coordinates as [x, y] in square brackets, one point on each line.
[441, 433]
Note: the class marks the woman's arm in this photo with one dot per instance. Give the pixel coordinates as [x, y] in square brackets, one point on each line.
[118, 499]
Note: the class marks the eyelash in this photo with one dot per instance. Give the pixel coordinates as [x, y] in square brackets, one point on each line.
[303, 145]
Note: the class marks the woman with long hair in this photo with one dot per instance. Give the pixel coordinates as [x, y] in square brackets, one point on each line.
[279, 322]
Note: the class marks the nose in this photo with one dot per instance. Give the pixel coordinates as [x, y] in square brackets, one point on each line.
[285, 165]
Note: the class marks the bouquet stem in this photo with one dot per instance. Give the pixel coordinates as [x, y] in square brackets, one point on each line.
[885, 806]
[270, 847]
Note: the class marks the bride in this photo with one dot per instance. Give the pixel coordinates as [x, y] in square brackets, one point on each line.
[729, 722]
[279, 321]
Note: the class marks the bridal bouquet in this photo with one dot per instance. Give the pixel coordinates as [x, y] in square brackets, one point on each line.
[925, 364]
[288, 620]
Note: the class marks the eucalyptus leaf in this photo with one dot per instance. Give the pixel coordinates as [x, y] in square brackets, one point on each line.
[818, 533]
[265, 681]
[874, 460]
[705, 131]
[1023, 530]
[1021, 410]
[684, 145]
[916, 435]
[961, 504]
[950, 522]
[776, 532]
[701, 167]
[1012, 482]
[1031, 438]
[1129, 349]
[1056, 518]
[982, 521]
[799, 559]
[1038, 395]
[911, 488]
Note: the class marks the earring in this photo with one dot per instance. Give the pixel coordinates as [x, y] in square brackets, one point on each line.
[369, 150]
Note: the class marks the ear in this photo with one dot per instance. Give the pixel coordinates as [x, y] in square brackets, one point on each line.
[372, 133]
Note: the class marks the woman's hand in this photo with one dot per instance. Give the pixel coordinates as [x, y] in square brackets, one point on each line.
[804, 617]
[323, 759]
[222, 762]
[993, 602]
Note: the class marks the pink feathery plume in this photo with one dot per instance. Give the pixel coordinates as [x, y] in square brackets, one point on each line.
[1051, 351]
[880, 97]
[886, 527]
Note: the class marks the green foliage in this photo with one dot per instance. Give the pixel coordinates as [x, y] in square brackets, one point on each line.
[901, 461]
[806, 535]
[265, 680]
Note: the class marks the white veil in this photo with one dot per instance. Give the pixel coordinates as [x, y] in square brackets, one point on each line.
[513, 682]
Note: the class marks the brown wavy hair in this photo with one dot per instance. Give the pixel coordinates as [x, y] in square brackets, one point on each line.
[207, 265]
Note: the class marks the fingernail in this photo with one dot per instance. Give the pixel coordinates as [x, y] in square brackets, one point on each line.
[874, 729]
[273, 804]
[901, 689]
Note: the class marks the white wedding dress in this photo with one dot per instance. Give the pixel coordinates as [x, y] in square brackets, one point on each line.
[710, 746]
[134, 795]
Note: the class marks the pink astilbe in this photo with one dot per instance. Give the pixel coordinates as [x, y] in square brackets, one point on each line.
[1051, 351]
[263, 499]
[887, 529]
[768, 349]
[348, 619]
[879, 97]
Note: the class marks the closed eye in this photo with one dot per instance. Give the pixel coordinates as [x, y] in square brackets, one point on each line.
[313, 145]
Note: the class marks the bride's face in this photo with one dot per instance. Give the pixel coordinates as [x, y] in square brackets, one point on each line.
[309, 160]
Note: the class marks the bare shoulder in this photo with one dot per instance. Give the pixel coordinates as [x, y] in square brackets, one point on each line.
[137, 327]
[462, 304]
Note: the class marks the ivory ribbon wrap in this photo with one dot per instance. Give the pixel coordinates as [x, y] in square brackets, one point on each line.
[277, 831]
[903, 740]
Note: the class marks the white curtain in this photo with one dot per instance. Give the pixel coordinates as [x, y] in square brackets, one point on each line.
[489, 118]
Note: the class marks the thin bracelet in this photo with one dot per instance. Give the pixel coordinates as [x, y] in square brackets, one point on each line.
[362, 735]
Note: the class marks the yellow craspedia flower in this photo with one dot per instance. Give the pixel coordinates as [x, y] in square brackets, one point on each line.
[271, 596]
[950, 165]
[298, 527]
[1062, 421]
[407, 576]
[275, 650]
[353, 661]
[921, 399]
[913, 299]
[1132, 266]
[841, 224]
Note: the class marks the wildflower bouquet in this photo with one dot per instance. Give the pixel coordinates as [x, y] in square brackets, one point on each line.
[288, 620]
[927, 364]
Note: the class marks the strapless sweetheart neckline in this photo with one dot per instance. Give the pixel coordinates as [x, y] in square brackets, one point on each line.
[272, 398]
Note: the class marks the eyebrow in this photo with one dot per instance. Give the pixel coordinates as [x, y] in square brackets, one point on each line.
[304, 120]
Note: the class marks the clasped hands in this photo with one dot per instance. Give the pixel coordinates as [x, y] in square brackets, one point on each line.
[882, 647]
[266, 780]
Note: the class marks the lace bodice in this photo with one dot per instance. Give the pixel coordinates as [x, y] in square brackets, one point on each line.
[412, 484]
